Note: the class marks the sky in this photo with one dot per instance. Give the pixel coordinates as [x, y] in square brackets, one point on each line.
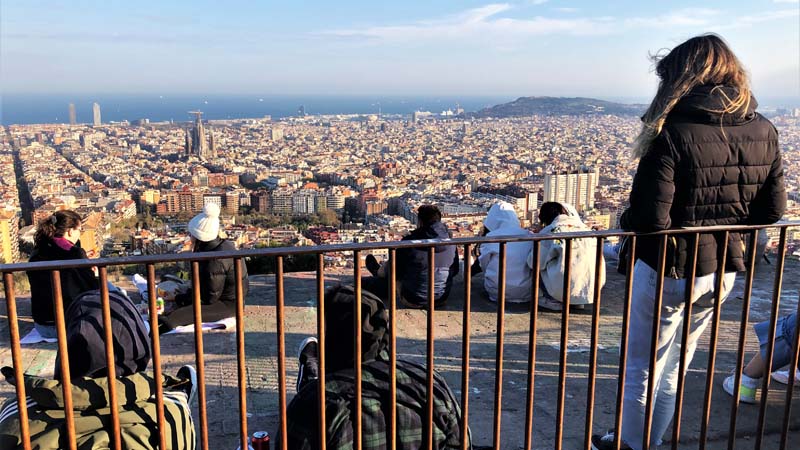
[410, 47]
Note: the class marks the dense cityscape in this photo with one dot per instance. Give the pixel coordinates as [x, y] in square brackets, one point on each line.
[309, 180]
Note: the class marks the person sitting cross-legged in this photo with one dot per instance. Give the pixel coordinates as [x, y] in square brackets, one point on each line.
[302, 415]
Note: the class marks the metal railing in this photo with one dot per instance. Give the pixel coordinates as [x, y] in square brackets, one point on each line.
[467, 244]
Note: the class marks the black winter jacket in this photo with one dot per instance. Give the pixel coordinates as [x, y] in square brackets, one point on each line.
[412, 265]
[706, 168]
[73, 281]
[217, 276]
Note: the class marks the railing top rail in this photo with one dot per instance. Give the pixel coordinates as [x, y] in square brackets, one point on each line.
[316, 249]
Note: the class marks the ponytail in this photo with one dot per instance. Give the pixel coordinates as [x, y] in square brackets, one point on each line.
[55, 225]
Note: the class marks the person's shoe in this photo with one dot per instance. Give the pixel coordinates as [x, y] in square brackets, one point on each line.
[189, 374]
[413, 305]
[549, 304]
[308, 356]
[747, 389]
[606, 442]
[372, 265]
[782, 377]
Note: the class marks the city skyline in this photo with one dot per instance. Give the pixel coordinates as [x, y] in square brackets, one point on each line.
[522, 48]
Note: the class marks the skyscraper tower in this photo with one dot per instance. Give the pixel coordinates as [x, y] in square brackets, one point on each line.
[212, 144]
[96, 115]
[199, 145]
[72, 120]
[301, 111]
[187, 147]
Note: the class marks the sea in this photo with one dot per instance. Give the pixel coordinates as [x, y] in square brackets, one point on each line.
[37, 108]
[54, 108]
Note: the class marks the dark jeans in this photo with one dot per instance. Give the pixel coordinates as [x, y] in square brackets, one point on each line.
[184, 314]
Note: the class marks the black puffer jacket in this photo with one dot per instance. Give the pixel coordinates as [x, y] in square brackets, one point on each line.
[73, 281]
[706, 168]
[217, 276]
[412, 265]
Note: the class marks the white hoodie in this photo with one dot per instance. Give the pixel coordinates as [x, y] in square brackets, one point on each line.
[582, 270]
[502, 221]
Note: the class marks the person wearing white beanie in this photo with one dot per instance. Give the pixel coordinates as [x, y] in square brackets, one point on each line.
[217, 276]
[205, 226]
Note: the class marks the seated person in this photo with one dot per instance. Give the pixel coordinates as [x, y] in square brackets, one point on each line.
[302, 414]
[217, 276]
[502, 220]
[57, 238]
[88, 371]
[563, 218]
[757, 367]
[412, 264]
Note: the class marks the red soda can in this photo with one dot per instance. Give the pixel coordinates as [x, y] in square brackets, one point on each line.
[260, 440]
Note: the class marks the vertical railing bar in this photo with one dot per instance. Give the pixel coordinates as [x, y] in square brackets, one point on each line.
[393, 349]
[156, 343]
[430, 346]
[743, 322]
[787, 409]
[498, 383]
[240, 353]
[712, 348]
[593, 349]
[532, 347]
[66, 378]
[773, 322]
[199, 357]
[648, 411]
[357, 429]
[623, 346]
[111, 368]
[16, 360]
[323, 424]
[281, 336]
[562, 357]
[687, 314]
[465, 438]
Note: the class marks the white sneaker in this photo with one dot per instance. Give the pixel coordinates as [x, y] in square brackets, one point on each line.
[747, 388]
[782, 377]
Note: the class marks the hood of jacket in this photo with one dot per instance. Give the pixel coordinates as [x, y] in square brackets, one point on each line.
[436, 230]
[90, 393]
[705, 103]
[501, 219]
[566, 223]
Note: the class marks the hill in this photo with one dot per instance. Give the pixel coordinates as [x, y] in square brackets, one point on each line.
[558, 106]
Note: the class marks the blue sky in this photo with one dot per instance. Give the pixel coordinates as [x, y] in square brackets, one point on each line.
[442, 47]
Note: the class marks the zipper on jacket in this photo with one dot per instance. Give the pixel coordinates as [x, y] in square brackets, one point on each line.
[673, 272]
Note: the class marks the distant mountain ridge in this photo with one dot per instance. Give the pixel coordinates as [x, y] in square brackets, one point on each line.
[558, 106]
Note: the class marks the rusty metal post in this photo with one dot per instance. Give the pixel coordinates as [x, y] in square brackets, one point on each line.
[16, 360]
[532, 347]
[393, 348]
[156, 343]
[465, 349]
[199, 357]
[430, 350]
[241, 365]
[648, 412]
[501, 308]
[562, 356]
[281, 336]
[623, 346]
[111, 369]
[323, 425]
[598, 267]
[357, 428]
[773, 321]
[63, 354]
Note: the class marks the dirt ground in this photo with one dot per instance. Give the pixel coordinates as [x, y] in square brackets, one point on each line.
[300, 321]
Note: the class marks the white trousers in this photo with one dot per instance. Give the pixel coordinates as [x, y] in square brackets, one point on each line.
[668, 348]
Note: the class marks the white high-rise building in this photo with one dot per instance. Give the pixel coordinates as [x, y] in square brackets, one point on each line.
[574, 187]
[96, 115]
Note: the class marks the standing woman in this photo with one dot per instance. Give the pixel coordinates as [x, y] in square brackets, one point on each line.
[217, 276]
[706, 158]
[57, 238]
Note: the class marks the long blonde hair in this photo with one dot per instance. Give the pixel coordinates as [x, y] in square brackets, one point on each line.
[702, 60]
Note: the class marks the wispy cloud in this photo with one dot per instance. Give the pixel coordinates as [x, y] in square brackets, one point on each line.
[564, 9]
[491, 23]
[538, 2]
[787, 1]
